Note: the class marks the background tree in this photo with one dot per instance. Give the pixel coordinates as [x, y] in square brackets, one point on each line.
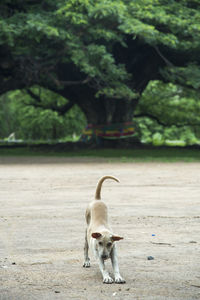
[99, 55]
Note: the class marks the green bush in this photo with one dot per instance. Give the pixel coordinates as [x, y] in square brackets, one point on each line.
[157, 139]
[168, 115]
[36, 123]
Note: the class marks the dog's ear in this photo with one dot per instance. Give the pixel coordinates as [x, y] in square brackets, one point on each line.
[116, 238]
[96, 235]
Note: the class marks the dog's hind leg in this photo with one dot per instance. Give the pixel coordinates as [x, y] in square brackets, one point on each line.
[86, 248]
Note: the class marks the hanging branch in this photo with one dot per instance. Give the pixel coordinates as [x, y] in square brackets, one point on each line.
[60, 83]
[146, 115]
[169, 63]
[38, 104]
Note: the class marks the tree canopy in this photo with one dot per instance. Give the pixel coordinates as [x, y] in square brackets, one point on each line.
[100, 55]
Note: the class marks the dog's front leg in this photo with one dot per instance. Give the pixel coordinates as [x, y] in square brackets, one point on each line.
[118, 278]
[86, 248]
[104, 272]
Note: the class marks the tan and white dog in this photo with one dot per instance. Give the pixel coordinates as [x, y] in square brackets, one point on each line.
[99, 236]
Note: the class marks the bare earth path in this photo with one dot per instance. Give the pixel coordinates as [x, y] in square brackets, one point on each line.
[42, 205]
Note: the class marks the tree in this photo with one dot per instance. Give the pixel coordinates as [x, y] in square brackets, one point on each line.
[100, 55]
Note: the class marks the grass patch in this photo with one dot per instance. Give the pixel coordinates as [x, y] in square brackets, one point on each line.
[113, 155]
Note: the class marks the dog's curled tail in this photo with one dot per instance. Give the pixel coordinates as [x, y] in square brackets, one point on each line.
[99, 185]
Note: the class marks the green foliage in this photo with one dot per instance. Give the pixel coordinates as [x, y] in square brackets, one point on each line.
[170, 104]
[158, 23]
[169, 115]
[84, 32]
[189, 75]
[166, 22]
[36, 123]
[8, 119]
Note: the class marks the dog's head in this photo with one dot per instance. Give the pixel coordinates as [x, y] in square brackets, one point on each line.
[104, 243]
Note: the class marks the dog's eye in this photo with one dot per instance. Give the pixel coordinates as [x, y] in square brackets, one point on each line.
[109, 244]
[100, 244]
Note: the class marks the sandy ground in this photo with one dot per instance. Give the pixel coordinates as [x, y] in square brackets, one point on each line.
[155, 207]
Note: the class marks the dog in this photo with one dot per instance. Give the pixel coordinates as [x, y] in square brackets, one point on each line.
[99, 236]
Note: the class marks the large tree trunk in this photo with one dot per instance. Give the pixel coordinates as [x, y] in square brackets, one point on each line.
[101, 110]
[107, 111]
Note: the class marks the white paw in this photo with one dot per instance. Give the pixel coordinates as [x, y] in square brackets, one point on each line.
[86, 264]
[108, 280]
[119, 279]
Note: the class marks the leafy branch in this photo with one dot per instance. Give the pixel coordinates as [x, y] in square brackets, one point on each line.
[38, 103]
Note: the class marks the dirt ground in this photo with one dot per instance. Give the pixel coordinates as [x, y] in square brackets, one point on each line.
[155, 207]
